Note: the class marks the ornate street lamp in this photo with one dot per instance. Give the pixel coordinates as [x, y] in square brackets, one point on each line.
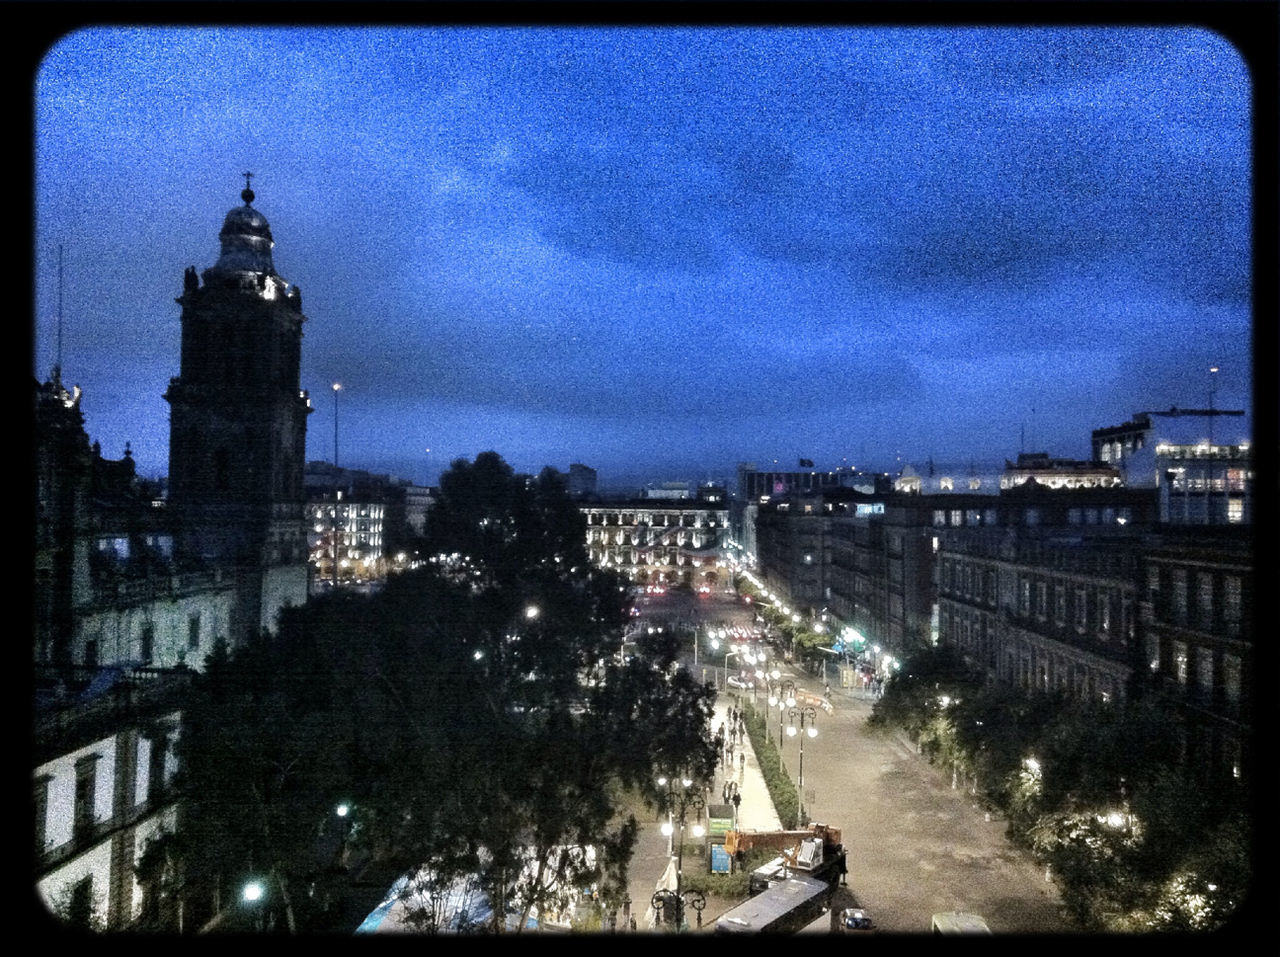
[810, 715]
[678, 801]
[784, 698]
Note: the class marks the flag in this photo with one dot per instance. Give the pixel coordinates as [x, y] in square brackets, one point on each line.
[806, 463]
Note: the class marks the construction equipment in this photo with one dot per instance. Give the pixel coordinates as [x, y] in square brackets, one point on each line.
[814, 852]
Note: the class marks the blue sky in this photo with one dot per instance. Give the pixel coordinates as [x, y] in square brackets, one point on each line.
[661, 251]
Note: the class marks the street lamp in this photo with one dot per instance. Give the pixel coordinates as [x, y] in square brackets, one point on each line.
[678, 802]
[735, 653]
[806, 714]
[784, 698]
[252, 895]
[337, 387]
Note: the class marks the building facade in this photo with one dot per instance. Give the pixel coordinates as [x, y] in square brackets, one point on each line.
[660, 541]
[1205, 484]
[238, 418]
[102, 789]
[1043, 608]
[133, 589]
[1196, 611]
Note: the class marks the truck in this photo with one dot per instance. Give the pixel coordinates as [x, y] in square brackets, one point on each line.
[815, 852]
[791, 890]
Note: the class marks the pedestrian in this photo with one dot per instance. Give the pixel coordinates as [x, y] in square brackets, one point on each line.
[826, 688]
[742, 762]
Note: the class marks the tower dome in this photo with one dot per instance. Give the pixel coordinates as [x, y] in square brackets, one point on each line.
[246, 241]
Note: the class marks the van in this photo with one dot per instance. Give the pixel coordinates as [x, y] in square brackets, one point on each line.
[958, 922]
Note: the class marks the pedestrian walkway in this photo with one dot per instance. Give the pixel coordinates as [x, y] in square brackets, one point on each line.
[756, 811]
[654, 869]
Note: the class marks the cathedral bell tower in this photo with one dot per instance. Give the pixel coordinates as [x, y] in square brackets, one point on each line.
[238, 424]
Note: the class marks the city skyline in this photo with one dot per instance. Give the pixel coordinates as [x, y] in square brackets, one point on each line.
[670, 249]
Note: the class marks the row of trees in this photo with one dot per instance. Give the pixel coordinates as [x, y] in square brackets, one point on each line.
[474, 716]
[1094, 790]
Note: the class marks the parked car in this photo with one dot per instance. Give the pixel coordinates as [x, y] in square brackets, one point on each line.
[854, 918]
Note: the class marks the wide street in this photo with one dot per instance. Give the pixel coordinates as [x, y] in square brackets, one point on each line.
[915, 844]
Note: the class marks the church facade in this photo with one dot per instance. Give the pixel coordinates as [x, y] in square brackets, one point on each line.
[133, 589]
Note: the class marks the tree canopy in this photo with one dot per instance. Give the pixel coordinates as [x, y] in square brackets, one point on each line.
[475, 712]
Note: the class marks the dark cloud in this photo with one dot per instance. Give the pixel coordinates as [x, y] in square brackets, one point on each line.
[662, 242]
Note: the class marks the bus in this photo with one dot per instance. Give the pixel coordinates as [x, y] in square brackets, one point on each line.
[784, 908]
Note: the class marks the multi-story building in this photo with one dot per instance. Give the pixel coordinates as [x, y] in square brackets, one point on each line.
[1205, 484]
[971, 477]
[101, 792]
[1196, 604]
[345, 539]
[1044, 608]
[133, 590]
[1131, 446]
[1059, 473]
[880, 553]
[581, 481]
[673, 541]
[759, 485]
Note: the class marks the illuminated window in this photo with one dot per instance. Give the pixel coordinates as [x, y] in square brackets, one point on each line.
[946, 484]
[1180, 662]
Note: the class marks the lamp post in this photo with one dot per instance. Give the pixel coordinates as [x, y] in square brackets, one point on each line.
[810, 715]
[735, 653]
[337, 387]
[252, 895]
[678, 802]
[784, 698]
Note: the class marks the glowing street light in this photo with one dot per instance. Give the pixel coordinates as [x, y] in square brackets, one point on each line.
[678, 802]
[810, 715]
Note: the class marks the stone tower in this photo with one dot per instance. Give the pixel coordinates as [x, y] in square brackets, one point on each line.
[238, 423]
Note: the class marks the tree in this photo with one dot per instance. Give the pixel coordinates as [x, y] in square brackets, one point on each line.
[261, 766]
[474, 712]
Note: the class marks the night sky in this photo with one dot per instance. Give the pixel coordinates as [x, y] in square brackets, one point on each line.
[661, 251]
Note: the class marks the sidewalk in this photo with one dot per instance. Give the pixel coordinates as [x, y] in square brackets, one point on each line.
[653, 869]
